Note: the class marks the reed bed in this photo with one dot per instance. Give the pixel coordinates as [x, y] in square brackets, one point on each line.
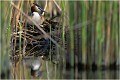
[87, 38]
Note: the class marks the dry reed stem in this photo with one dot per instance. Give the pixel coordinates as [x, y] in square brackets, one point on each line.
[107, 61]
[45, 7]
[57, 5]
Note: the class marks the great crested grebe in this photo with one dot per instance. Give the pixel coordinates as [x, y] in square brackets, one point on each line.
[36, 14]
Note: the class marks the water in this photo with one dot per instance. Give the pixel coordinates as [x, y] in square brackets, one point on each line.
[98, 74]
[53, 71]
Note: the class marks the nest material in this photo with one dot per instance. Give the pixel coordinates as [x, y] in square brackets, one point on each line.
[31, 42]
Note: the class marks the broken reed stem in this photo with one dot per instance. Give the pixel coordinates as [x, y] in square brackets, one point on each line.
[57, 5]
[45, 7]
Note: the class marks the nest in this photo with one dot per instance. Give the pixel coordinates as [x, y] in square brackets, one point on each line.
[31, 42]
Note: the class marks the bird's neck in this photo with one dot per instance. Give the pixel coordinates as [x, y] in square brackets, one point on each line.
[33, 9]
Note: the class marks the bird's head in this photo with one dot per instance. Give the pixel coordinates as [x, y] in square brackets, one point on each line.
[36, 8]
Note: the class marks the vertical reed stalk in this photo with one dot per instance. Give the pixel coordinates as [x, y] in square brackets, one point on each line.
[119, 36]
[84, 18]
[107, 61]
[93, 32]
[71, 38]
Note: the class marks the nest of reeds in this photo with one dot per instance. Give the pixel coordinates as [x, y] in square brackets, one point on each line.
[31, 42]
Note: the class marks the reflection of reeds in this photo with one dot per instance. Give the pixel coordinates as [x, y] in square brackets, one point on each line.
[89, 34]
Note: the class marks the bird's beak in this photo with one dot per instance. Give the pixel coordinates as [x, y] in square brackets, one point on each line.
[42, 9]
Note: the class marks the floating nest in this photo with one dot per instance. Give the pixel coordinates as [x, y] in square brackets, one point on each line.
[28, 41]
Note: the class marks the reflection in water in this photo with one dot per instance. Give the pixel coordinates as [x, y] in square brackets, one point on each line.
[98, 74]
[36, 68]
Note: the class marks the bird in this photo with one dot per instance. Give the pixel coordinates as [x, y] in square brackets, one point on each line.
[34, 64]
[36, 14]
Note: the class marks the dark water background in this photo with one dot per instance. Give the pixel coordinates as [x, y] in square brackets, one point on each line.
[98, 74]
